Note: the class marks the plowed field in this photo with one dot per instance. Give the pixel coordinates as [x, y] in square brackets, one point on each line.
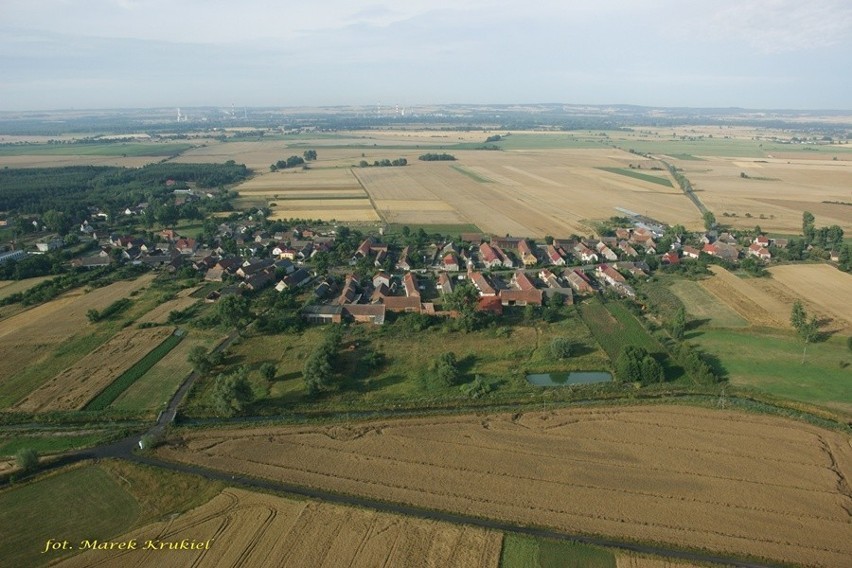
[261, 530]
[718, 480]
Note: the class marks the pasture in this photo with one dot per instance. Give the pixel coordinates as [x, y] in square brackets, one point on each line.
[772, 361]
[733, 482]
[251, 529]
[747, 297]
[701, 305]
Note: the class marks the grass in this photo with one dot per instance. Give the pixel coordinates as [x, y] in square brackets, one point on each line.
[472, 175]
[686, 157]
[548, 141]
[49, 444]
[501, 355]
[153, 390]
[104, 149]
[638, 175]
[30, 515]
[703, 306]
[123, 382]
[614, 327]
[528, 552]
[771, 361]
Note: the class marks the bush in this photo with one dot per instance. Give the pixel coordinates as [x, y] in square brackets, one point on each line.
[560, 347]
[27, 459]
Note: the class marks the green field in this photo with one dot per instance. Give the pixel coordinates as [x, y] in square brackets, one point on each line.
[548, 141]
[638, 175]
[472, 175]
[153, 390]
[500, 356]
[735, 147]
[131, 375]
[528, 552]
[704, 307]
[133, 149]
[90, 502]
[771, 361]
[34, 513]
[48, 444]
[614, 327]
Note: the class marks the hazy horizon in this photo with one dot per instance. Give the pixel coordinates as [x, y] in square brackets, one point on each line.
[113, 54]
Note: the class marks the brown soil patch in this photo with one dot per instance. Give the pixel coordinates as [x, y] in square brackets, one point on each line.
[251, 529]
[77, 385]
[719, 480]
[825, 290]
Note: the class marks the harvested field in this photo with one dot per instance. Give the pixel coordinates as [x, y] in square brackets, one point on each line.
[776, 191]
[30, 336]
[824, 289]
[9, 287]
[704, 306]
[77, 385]
[251, 529]
[719, 480]
[746, 297]
[161, 313]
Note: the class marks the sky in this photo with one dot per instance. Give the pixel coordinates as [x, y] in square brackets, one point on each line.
[770, 54]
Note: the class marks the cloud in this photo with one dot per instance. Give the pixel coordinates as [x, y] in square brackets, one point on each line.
[782, 26]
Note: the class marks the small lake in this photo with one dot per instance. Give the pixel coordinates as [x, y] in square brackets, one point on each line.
[572, 378]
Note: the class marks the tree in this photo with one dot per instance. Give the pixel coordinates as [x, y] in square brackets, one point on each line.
[268, 371]
[232, 310]
[709, 220]
[27, 459]
[635, 364]
[808, 225]
[310, 155]
[446, 368]
[93, 315]
[57, 221]
[798, 317]
[560, 347]
[678, 324]
[231, 393]
[197, 357]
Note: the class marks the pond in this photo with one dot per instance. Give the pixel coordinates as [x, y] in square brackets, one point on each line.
[572, 378]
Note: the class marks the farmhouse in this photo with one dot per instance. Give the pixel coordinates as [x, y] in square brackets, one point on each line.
[450, 262]
[365, 313]
[585, 253]
[296, 280]
[489, 256]
[670, 257]
[759, 251]
[403, 263]
[690, 252]
[323, 314]
[526, 253]
[409, 281]
[721, 250]
[609, 275]
[578, 280]
[408, 304]
[349, 294]
[259, 280]
[481, 283]
[554, 257]
[628, 250]
[606, 252]
[445, 284]
[381, 278]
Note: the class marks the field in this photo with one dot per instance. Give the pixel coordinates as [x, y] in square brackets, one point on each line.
[152, 391]
[748, 299]
[776, 202]
[40, 342]
[658, 179]
[771, 361]
[127, 154]
[701, 305]
[527, 552]
[615, 327]
[9, 287]
[74, 387]
[252, 529]
[161, 313]
[720, 480]
[824, 290]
